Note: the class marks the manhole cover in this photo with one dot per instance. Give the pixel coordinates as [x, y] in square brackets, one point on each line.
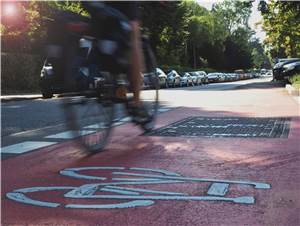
[226, 127]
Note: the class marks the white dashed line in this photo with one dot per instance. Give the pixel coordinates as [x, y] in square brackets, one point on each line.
[32, 145]
[25, 147]
[70, 134]
[163, 109]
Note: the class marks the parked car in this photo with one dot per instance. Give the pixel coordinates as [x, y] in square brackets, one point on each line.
[162, 78]
[269, 73]
[235, 76]
[222, 77]
[185, 79]
[213, 77]
[228, 77]
[173, 78]
[291, 69]
[203, 76]
[263, 71]
[241, 73]
[48, 85]
[52, 80]
[279, 68]
[195, 77]
[248, 75]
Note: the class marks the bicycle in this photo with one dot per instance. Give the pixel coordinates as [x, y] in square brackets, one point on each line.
[103, 85]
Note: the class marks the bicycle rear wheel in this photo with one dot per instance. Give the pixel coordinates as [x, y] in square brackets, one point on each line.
[149, 93]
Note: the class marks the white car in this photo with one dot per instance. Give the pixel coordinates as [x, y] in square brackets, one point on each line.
[173, 78]
[162, 78]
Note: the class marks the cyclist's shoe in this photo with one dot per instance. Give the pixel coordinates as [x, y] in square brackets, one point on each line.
[141, 116]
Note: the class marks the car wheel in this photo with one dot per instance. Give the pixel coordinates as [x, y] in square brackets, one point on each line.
[47, 94]
[166, 84]
[163, 83]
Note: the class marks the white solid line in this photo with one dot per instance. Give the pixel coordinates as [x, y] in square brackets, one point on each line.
[69, 134]
[25, 147]
[164, 109]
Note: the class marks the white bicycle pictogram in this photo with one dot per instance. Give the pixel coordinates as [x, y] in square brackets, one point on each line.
[132, 196]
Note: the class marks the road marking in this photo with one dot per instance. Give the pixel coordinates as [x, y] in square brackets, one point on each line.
[32, 145]
[163, 109]
[25, 147]
[96, 126]
[257, 185]
[218, 189]
[132, 196]
[70, 134]
[113, 206]
[145, 190]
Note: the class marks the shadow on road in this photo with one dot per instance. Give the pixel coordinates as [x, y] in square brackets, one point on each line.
[262, 85]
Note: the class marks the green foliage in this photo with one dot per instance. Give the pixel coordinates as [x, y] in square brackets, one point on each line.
[27, 32]
[234, 14]
[295, 81]
[259, 57]
[24, 77]
[166, 25]
[281, 23]
[180, 68]
[182, 33]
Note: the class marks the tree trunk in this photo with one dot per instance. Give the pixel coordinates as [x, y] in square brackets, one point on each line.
[194, 55]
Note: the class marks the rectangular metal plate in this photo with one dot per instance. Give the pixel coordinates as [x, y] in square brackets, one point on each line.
[226, 127]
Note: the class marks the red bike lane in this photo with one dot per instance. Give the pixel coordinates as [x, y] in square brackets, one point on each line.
[163, 180]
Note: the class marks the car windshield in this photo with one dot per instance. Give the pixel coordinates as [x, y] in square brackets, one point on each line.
[159, 71]
[183, 74]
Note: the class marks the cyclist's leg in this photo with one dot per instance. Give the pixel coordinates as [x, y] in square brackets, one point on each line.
[136, 64]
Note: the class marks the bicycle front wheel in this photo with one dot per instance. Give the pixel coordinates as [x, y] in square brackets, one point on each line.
[89, 111]
[90, 121]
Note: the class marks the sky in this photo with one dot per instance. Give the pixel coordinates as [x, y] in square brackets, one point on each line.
[254, 18]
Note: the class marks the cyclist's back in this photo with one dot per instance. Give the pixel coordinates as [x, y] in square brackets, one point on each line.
[130, 10]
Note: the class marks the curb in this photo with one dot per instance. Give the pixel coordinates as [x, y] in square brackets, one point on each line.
[291, 90]
[20, 97]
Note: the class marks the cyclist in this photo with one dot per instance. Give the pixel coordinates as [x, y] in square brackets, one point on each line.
[130, 10]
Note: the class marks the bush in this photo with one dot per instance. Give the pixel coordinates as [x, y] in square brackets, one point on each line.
[295, 81]
[20, 73]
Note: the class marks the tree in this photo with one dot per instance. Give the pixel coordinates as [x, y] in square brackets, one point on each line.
[282, 27]
[235, 14]
[165, 23]
[25, 31]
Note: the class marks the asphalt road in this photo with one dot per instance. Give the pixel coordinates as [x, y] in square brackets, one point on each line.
[36, 118]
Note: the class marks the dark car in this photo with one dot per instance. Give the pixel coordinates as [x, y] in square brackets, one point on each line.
[279, 68]
[291, 69]
[52, 79]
